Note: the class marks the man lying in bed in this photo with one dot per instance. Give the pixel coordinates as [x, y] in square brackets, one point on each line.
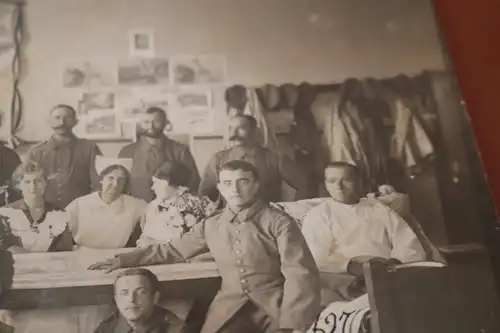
[344, 232]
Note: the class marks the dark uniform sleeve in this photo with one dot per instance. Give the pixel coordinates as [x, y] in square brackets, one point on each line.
[187, 158]
[208, 185]
[62, 242]
[180, 250]
[301, 296]
[95, 183]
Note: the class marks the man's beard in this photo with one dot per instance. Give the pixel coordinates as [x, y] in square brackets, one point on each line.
[152, 134]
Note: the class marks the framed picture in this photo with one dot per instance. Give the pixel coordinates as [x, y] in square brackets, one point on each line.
[192, 100]
[141, 43]
[143, 72]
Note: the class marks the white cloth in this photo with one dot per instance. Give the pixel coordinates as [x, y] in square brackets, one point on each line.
[96, 224]
[337, 232]
[342, 317]
[36, 239]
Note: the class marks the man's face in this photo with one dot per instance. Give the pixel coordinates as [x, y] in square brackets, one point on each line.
[153, 125]
[238, 187]
[342, 184]
[240, 131]
[62, 120]
[135, 298]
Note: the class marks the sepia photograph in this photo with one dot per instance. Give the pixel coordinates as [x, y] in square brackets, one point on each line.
[141, 43]
[226, 166]
[202, 69]
[143, 72]
[97, 101]
[88, 74]
[193, 100]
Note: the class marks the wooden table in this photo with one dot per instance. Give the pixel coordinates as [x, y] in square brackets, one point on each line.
[52, 280]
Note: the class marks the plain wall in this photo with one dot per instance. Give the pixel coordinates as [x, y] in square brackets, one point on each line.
[264, 41]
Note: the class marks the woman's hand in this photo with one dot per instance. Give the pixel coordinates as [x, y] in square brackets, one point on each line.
[386, 190]
[107, 265]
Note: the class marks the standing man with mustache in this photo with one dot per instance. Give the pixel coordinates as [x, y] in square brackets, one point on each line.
[152, 150]
[67, 161]
[273, 168]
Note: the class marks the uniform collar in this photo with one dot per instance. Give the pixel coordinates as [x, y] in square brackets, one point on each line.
[245, 214]
[158, 143]
[57, 144]
[157, 319]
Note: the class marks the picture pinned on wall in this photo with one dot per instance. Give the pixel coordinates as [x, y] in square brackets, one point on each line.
[192, 100]
[100, 124]
[143, 72]
[191, 121]
[133, 105]
[89, 74]
[97, 101]
[129, 129]
[202, 69]
[141, 43]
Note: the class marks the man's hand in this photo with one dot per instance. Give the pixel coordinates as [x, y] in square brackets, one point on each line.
[107, 265]
[355, 266]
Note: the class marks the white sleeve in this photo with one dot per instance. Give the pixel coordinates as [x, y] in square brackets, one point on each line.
[406, 246]
[320, 239]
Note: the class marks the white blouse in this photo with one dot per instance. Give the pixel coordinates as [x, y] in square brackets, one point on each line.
[39, 238]
[95, 224]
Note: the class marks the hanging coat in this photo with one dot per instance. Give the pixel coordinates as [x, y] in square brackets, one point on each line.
[410, 143]
[345, 133]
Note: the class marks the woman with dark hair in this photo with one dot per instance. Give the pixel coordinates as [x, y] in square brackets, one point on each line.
[175, 210]
[32, 224]
[108, 218]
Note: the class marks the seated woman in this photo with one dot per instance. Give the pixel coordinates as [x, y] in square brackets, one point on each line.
[31, 224]
[108, 218]
[175, 210]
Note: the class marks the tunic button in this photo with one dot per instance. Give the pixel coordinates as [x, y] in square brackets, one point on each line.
[243, 281]
[246, 291]
[237, 241]
[238, 262]
[242, 270]
[238, 251]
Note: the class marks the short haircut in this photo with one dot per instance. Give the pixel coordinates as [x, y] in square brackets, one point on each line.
[64, 106]
[176, 173]
[251, 120]
[28, 167]
[110, 168]
[346, 165]
[160, 111]
[240, 165]
[138, 271]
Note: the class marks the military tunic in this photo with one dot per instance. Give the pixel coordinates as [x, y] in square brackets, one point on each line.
[69, 167]
[272, 168]
[149, 157]
[262, 258]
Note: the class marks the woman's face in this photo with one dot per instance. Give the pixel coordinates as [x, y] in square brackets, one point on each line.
[114, 182]
[162, 188]
[33, 185]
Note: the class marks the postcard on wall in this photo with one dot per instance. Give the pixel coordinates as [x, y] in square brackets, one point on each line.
[97, 101]
[141, 43]
[89, 74]
[199, 69]
[191, 99]
[134, 104]
[99, 124]
[143, 72]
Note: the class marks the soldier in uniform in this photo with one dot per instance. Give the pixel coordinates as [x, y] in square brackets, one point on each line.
[274, 170]
[151, 151]
[270, 282]
[136, 294]
[68, 161]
